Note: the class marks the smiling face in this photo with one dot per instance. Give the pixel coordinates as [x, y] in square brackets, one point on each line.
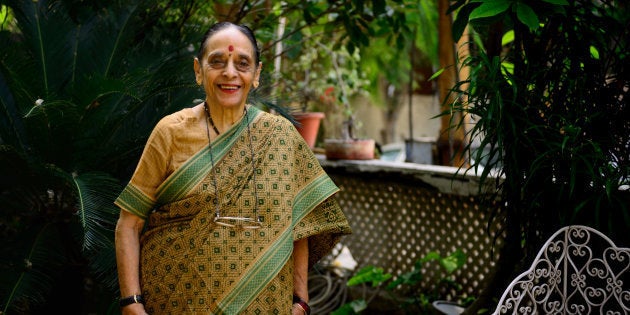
[227, 68]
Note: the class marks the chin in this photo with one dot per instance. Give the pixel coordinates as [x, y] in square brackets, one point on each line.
[231, 104]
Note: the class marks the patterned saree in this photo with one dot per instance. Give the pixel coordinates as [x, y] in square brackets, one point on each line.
[191, 265]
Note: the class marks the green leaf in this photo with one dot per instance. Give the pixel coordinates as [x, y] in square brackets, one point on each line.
[507, 68]
[527, 16]
[369, 274]
[490, 9]
[430, 256]
[453, 261]
[351, 308]
[594, 52]
[378, 7]
[461, 20]
[350, 47]
[32, 275]
[96, 193]
[436, 74]
[453, 7]
[507, 38]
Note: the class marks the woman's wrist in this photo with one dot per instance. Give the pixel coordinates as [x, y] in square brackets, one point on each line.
[132, 299]
[302, 304]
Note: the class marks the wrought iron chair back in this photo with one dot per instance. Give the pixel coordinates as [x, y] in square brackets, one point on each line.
[577, 271]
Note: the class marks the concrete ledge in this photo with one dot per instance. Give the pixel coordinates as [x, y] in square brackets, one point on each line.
[445, 179]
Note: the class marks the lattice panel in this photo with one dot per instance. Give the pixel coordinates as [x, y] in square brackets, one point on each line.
[396, 222]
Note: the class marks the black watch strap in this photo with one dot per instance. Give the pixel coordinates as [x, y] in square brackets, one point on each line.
[136, 298]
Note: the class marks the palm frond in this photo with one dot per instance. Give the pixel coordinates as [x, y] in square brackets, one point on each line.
[45, 27]
[103, 266]
[96, 193]
[98, 214]
[14, 90]
[29, 274]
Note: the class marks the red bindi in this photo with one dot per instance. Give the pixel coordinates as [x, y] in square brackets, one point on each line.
[231, 48]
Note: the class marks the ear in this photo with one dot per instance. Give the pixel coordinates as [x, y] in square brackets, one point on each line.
[198, 74]
[257, 75]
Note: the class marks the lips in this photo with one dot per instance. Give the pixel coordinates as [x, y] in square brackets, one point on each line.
[229, 87]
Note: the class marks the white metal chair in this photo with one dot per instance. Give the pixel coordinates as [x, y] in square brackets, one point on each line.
[577, 271]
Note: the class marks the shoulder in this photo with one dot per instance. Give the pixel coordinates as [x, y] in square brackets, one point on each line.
[176, 121]
[273, 121]
[279, 128]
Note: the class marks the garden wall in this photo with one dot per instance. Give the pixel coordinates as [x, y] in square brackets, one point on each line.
[399, 212]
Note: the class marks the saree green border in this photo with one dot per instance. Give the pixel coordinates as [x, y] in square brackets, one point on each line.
[135, 201]
[255, 279]
[190, 173]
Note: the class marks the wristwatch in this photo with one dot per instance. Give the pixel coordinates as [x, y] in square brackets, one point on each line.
[136, 298]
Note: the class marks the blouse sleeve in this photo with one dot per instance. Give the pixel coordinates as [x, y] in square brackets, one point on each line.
[138, 197]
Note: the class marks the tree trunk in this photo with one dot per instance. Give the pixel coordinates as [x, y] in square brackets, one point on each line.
[450, 140]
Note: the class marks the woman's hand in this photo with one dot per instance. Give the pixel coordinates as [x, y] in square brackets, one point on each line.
[297, 310]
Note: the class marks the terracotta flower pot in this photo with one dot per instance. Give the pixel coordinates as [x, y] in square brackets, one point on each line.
[309, 126]
[349, 149]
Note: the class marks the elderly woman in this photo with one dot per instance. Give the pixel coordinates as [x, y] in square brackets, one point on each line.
[228, 207]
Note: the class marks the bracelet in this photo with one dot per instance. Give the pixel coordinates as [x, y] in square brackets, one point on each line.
[136, 298]
[302, 304]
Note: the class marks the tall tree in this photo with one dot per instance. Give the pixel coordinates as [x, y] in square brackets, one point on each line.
[450, 141]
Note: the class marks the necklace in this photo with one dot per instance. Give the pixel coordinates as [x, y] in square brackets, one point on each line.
[242, 222]
[206, 107]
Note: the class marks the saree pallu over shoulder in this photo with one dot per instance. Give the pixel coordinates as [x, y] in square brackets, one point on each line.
[191, 265]
[182, 181]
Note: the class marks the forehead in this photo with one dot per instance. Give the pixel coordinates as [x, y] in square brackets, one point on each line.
[230, 36]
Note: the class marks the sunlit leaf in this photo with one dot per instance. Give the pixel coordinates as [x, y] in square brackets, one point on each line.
[507, 68]
[507, 38]
[436, 74]
[594, 52]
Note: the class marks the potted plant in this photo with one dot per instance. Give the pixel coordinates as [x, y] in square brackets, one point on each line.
[319, 82]
[347, 145]
[308, 122]
[297, 86]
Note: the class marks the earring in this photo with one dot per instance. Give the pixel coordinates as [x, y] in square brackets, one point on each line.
[256, 84]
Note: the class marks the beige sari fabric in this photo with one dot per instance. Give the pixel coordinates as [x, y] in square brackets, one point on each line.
[190, 265]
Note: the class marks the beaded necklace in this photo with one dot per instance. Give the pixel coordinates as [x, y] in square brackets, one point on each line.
[242, 222]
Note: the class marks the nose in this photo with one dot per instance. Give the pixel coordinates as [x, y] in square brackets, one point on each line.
[230, 70]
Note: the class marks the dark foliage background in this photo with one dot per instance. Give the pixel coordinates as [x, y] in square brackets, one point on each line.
[550, 106]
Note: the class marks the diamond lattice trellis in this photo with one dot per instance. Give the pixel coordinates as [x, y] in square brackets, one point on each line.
[398, 219]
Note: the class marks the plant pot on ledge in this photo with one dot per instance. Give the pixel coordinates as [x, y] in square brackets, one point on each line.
[349, 149]
[308, 126]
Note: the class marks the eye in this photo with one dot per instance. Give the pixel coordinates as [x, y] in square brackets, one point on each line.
[217, 63]
[243, 65]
